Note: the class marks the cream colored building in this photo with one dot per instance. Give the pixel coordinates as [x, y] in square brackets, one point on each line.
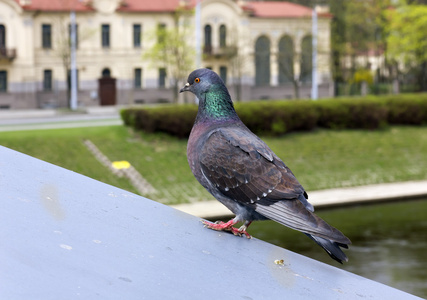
[243, 41]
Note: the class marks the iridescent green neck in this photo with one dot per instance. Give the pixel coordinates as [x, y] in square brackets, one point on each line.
[216, 105]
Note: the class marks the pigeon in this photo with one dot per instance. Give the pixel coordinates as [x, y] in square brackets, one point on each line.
[244, 174]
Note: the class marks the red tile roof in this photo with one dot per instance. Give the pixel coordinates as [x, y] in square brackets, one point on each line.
[263, 9]
[149, 5]
[57, 5]
[79, 5]
[271, 9]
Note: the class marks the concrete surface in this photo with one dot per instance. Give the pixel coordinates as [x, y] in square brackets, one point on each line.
[66, 236]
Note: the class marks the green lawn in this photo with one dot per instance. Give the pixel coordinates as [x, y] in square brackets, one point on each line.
[320, 159]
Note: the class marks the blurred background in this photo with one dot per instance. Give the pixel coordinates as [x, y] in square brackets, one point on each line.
[336, 88]
[137, 51]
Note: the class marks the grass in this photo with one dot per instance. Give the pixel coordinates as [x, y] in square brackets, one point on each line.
[64, 147]
[320, 159]
[330, 159]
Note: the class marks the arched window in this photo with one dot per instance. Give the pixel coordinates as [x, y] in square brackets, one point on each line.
[2, 36]
[306, 59]
[286, 59]
[262, 61]
[106, 72]
[208, 39]
[222, 36]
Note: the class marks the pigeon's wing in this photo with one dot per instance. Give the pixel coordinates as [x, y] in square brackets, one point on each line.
[244, 168]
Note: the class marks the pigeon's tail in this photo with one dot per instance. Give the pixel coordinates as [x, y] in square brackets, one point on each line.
[331, 247]
[294, 214]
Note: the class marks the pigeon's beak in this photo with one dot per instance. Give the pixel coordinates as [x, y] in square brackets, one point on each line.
[185, 88]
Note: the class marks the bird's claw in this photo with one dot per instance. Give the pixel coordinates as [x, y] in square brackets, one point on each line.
[221, 226]
[240, 232]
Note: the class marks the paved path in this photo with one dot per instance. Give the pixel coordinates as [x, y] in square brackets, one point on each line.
[327, 198]
[15, 120]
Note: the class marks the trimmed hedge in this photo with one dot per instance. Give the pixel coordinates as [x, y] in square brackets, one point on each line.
[280, 117]
[351, 114]
[277, 117]
[176, 120]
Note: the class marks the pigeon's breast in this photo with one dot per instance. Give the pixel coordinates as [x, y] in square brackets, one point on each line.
[196, 140]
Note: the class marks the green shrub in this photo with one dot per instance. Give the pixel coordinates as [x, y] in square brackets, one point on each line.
[277, 117]
[176, 120]
[280, 117]
[128, 116]
[410, 110]
[354, 113]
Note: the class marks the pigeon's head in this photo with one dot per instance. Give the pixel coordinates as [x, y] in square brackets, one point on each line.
[214, 100]
[201, 81]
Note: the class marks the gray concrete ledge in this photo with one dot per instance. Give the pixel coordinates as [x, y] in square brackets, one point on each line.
[327, 198]
[66, 236]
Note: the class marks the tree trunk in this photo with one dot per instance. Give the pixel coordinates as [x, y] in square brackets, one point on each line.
[396, 89]
[364, 88]
[175, 92]
[67, 87]
[422, 77]
[238, 88]
[296, 88]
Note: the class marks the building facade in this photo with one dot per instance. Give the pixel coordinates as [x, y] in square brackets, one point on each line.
[262, 50]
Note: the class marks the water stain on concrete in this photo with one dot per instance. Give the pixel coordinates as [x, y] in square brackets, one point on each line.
[49, 198]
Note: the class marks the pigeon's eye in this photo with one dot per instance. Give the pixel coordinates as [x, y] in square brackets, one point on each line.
[197, 80]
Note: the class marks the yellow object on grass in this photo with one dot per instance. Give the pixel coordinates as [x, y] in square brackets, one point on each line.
[121, 164]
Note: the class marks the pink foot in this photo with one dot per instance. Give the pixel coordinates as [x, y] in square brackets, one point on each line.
[221, 226]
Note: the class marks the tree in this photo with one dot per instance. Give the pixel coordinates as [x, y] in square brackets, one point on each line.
[407, 39]
[171, 49]
[364, 35]
[355, 38]
[338, 28]
[236, 57]
[62, 47]
[357, 31]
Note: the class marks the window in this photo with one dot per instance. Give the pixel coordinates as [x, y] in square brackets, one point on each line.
[137, 78]
[106, 72]
[262, 61]
[77, 35]
[208, 39]
[223, 73]
[46, 36]
[286, 60]
[161, 32]
[222, 35]
[2, 36]
[105, 35]
[137, 35]
[162, 77]
[306, 59]
[47, 80]
[3, 81]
